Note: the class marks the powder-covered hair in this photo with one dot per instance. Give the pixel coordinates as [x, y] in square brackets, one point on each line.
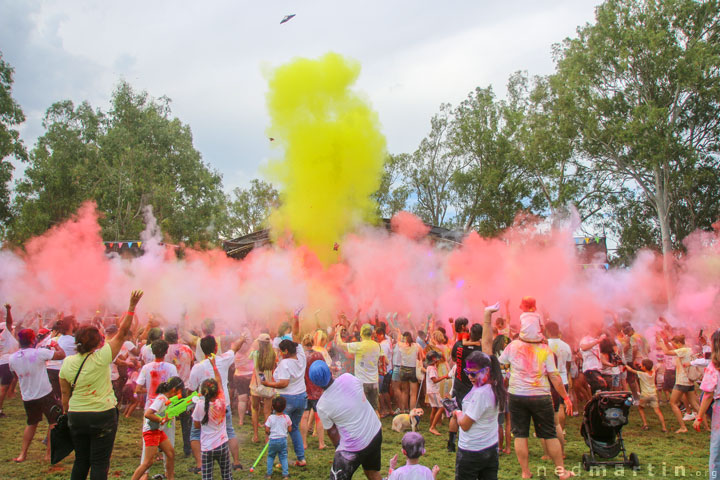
[209, 390]
[414, 445]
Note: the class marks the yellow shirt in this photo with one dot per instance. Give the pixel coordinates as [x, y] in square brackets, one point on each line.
[93, 391]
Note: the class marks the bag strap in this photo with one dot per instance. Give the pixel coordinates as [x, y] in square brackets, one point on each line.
[72, 387]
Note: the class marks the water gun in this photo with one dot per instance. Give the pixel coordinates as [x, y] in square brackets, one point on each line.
[177, 405]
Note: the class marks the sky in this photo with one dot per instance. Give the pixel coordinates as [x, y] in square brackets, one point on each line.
[211, 58]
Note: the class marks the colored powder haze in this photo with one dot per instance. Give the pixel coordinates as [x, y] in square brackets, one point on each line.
[331, 163]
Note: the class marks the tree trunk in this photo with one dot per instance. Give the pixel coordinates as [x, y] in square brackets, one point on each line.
[662, 206]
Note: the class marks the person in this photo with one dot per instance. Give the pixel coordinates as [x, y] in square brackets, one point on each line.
[477, 455]
[532, 369]
[683, 386]
[264, 358]
[432, 379]
[648, 392]
[350, 422]
[313, 394]
[289, 381]
[367, 357]
[710, 385]
[91, 404]
[65, 340]
[182, 357]
[154, 437]
[151, 376]
[277, 427]
[28, 364]
[210, 417]
[205, 370]
[241, 380]
[146, 354]
[592, 363]
[385, 369]
[462, 384]
[413, 447]
[563, 354]
[634, 349]
[8, 345]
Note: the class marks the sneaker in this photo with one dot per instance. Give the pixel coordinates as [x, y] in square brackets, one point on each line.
[688, 416]
[397, 411]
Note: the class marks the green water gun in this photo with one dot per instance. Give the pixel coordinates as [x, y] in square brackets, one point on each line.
[177, 405]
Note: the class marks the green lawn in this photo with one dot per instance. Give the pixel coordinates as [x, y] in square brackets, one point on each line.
[665, 452]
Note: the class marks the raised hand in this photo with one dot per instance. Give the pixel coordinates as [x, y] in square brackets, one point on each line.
[135, 297]
[493, 308]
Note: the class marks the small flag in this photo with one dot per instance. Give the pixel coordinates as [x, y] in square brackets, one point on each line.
[130, 244]
[139, 244]
[111, 244]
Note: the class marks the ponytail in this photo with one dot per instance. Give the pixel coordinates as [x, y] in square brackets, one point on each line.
[209, 390]
[171, 384]
[498, 383]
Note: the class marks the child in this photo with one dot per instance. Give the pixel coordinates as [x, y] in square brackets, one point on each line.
[648, 392]
[277, 427]
[433, 390]
[413, 446]
[209, 417]
[153, 435]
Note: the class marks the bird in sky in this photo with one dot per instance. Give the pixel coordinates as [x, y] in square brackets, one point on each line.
[286, 18]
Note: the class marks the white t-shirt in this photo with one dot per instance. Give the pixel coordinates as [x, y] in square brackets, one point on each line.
[386, 347]
[29, 365]
[591, 358]
[152, 375]
[408, 354]
[430, 386]
[294, 370]
[204, 370]
[214, 433]
[278, 425]
[530, 364]
[146, 354]
[367, 353]
[564, 354]
[8, 345]
[412, 472]
[344, 404]
[159, 406]
[67, 343]
[480, 405]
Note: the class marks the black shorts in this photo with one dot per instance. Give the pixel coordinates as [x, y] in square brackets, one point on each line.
[345, 463]
[595, 380]
[539, 409]
[408, 374]
[6, 376]
[384, 383]
[459, 395]
[242, 384]
[684, 388]
[556, 398]
[35, 409]
[483, 464]
[311, 405]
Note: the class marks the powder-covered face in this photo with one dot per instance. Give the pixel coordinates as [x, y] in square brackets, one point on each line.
[479, 376]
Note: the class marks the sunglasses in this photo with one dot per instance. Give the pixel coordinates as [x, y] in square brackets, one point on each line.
[474, 373]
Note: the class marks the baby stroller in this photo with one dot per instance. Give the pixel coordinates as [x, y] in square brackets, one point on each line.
[604, 416]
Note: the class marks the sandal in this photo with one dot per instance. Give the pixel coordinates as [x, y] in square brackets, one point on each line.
[237, 466]
[645, 427]
[194, 470]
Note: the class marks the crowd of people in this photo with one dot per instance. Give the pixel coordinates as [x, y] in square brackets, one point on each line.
[482, 382]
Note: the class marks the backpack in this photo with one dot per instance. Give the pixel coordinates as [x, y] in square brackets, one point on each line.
[695, 373]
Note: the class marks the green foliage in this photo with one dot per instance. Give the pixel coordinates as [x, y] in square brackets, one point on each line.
[11, 115]
[249, 208]
[392, 196]
[132, 156]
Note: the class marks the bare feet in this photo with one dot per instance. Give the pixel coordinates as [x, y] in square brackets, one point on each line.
[507, 450]
[255, 439]
[545, 457]
[19, 459]
[681, 430]
[566, 474]
[322, 447]
[527, 475]
[435, 432]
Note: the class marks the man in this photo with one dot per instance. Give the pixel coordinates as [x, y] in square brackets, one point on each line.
[182, 357]
[367, 355]
[8, 345]
[28, 364]
[563, 357]
[344, 408]
[592, 363]
[462, 384]
[384, 370]
[202, 371]
[634, 349]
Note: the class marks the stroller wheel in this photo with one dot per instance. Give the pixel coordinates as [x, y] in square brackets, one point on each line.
[586, 462]
[634, 461]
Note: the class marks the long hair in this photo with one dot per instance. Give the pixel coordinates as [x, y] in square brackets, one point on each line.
[265, 357]
[209, 390]
[482, 360]
[171, 384]
[715, 343]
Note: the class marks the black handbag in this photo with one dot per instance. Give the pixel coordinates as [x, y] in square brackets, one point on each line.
[61, 443]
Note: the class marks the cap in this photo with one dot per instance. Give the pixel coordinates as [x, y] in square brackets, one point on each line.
[319, 373]
[263, 337]
[527, 304]
[43, 331]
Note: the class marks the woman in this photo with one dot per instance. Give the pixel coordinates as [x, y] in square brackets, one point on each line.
[313, 393]
[438, 343]
[244, 369]
[710, 386]
[289, 380]
[409, 355]
[683, 386]
[264, 359]
[91, 404]
[477, 455]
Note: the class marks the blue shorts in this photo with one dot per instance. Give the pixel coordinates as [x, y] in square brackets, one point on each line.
[195, 432]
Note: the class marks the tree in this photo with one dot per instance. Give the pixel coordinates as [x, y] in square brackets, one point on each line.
[132, 156]
[393, 194]
[642, 87]
[249, 208]
[11, 115]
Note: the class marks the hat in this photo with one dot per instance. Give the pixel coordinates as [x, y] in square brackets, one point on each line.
[366, 330]
[263, 337]
[43, 331]
[527, 304]
[319, 373]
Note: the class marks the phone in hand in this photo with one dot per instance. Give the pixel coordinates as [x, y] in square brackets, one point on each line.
[262, 376]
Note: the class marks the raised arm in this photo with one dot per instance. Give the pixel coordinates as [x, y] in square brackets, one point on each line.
[592, 343]
[487, 335]
[296, 324]
[8, 318]
[124, 327]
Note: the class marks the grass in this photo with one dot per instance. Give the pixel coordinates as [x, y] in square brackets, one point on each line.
[688, 452]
